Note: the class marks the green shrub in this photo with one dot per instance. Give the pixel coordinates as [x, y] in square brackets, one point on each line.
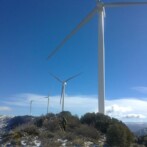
[51, 124]
[39, 121]
[16, 142]
[17, 135]
[30, 129]
[88, 118]
[117, 135]
[72, 122]
[87, 131]
[46, 134]
[50, 143]
[78, 141]
[99, 121]
[70, 136]
[102, 122]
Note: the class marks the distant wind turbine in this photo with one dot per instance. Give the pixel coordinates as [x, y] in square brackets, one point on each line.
[48, 97]
[31, 107]
[100, 9]
[64, 83]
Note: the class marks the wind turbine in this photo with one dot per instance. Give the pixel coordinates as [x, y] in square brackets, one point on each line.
[64, 83]
[48, 97]
[100, 9]
[31, 107]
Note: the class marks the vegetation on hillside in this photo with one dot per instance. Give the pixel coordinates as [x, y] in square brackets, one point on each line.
[94, 127]
[142, 140]
[117, 133]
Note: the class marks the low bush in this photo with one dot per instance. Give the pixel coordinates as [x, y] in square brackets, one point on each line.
[30, 129]
[39, 121]
[70, 136]
[78, 142]
[46, 134]
[87, 131]
[50, 143]
[17, 135]
[51, 124]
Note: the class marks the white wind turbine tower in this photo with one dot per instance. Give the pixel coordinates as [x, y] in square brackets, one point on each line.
[64, 83]
[31, 107]
[48, 97]
[100, 9]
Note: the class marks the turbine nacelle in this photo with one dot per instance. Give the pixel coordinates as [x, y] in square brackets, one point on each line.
[64, 83]
[100, 5]
[31, 101]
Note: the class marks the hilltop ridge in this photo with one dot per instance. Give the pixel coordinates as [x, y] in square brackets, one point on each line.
[91, 130]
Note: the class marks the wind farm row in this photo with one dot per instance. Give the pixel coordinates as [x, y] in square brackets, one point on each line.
[100, 10]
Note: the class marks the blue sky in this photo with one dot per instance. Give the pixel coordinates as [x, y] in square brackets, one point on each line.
[31, 29]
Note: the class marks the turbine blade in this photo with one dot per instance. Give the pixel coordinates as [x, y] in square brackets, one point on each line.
[73, 77]
[62, 90]
[85, 20]
[121, 4]
[59, 80]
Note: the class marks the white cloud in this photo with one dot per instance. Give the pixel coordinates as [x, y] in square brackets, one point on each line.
[24, 99]
[140, 89]
[76, 104]
[122, 108]
[5, 108]
[134, 116]
[117, 108]
[135, 109]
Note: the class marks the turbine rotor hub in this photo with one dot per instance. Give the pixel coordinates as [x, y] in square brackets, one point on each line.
[100, 5]
[65, 83]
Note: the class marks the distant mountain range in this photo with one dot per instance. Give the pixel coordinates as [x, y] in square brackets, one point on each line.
[10, 122]
[3, 124]
[4, 120]
[138, 128]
